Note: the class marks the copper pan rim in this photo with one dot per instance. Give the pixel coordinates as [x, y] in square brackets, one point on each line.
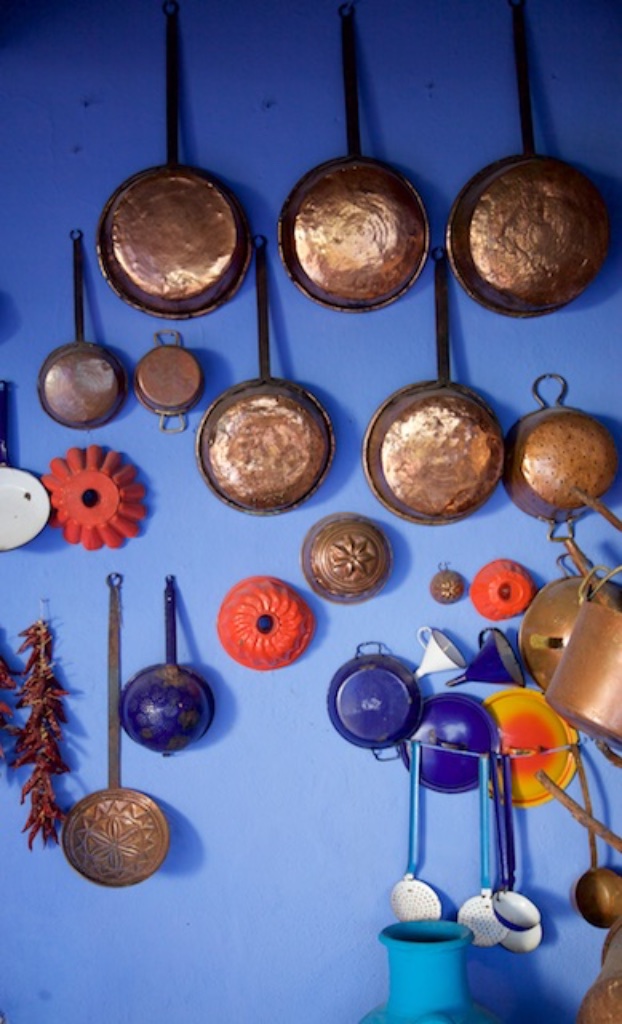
[73, 406]
[143, 203]
[525, 293]
[397, 252]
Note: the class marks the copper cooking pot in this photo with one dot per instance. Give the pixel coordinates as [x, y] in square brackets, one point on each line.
[559, 460]
[528, 233]
[433, 451]
[173, 240]
[353, 232]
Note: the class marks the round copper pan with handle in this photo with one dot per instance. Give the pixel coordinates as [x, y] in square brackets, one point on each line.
[433, 451]
[528, 233]
[81, 385]
[173, 240]
[115, 836]
[353, 232]
[265, 445]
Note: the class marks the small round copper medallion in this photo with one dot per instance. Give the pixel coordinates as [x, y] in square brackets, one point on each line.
[346, 558]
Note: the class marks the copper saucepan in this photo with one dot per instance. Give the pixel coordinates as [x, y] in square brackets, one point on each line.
[81, 384]
[528, 233]
[433, 451]
[265, 445]
[353, 232]
[168, 381]
[173, 240]
[559, 460]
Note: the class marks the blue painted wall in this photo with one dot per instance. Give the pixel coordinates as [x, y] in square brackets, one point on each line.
[286, 840]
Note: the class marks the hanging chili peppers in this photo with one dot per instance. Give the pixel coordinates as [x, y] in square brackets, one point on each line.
[38, 740]
[6, 683]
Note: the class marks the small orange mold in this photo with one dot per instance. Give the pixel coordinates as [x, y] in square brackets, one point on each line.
[264, 623]
[501, 589]
[94, 497]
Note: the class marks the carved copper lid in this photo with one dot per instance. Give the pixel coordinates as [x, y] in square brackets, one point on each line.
[346, 557]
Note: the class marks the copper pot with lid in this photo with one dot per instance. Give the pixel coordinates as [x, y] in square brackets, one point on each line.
[528, 233]
[559, 460]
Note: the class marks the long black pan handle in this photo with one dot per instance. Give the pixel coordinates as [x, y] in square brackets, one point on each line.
[442, 315]
[171, 10]
[350, 79]
[78, 283]
[169, 621]
[114, 581]
[522, 75]
[261, 284]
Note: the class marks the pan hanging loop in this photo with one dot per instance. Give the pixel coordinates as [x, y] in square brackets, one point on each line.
[563, 389]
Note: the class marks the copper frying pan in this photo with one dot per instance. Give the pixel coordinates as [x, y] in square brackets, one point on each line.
[353, 232]
[265, 445]
[528, 233]
[81, 384]
[173, 240]
[433, 451]
[115, 836]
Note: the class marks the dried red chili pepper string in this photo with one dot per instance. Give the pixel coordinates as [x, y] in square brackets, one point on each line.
[7, 682]
[38, 740]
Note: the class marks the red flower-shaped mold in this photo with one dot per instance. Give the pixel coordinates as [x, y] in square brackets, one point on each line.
[264, 623]
[94, 498]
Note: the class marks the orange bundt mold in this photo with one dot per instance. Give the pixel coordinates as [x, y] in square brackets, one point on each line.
[264, 623]
[501, 589]
[94, 497]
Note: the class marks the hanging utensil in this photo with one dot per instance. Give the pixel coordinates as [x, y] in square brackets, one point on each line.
[529, 233]
[115, 836]
[597, 894]
[166, 707]
[173, 240]
[412, 899]
[477, 913]
[24, 501]
[433, 451]
[515, 911]
[266, 445]
[81, 385]
[353, 232]
[168, 381]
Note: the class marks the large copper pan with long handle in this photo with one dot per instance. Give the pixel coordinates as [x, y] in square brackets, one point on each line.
[353, 232]
[173, 240]
[528, 233]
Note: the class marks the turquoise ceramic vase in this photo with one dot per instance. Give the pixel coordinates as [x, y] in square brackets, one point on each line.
[428, 981]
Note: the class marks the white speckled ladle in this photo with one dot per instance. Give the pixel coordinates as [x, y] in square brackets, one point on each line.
[412, 899]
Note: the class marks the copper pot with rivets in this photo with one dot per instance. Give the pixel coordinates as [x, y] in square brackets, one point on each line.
[528, 233]
[559, 460]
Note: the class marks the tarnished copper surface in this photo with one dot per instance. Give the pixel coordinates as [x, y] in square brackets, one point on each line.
[527, 235]
[346, 558]
[82, 385]
[585, 687]
[168, 378]
[433, 454]
[552, 452]
[173, 241]
[116, 837]
[353, 234]
[264, 447]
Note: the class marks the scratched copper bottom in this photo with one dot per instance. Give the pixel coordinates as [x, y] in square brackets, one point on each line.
[527, 235]
[550, 454]
[116, 837]
[174, 242]
[353, 234]
[264, 448]
[81, 385]
[346, 558]
[433, 454]
[168, 379]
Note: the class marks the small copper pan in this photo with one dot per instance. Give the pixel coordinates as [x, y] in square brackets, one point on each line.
[168, 381]
[529, 233]
[353, 232]
[433, 451]
[265, 445]
[81, 384]
[173, 240]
